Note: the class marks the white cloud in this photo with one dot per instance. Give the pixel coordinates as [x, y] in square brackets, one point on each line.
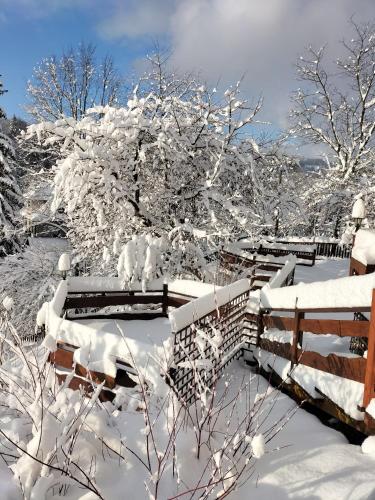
[40, 8]
[135, 18]
[228, 38]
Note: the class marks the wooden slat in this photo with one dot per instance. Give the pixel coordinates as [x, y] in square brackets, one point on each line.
[342, 328]
[177, 301]
[350, 368]
[269, 267]
[322, 309]
[369, 391]
[61, 357]
[111, 300]
[96, 377]
[280, 349]
[144, 316]
[77, 383]
[279, 322]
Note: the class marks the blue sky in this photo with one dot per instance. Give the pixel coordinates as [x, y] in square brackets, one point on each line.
[27, 37]
[221, 39]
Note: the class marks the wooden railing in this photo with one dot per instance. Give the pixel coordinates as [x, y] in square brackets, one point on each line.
[281, 252]
[324, 248]
[358, 369]
[81, 301]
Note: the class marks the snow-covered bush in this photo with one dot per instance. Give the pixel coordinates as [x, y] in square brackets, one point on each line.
[29, 277]
[59, 442]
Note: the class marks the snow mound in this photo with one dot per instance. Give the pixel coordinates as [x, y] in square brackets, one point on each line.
[364, 246]
[352, 291]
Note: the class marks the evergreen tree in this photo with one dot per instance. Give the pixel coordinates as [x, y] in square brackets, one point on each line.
[10, 194]
[2, 91]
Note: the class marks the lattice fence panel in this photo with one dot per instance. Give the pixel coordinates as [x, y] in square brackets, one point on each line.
[199, 356]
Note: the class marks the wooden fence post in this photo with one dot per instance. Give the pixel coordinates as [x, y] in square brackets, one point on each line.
[297, 336]
[165, 299]
[260, 328]
[369, 392]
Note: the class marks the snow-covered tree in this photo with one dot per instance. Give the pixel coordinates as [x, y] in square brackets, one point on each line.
[70, 84]
[337, 109]
[29, 277]
[10, 194]
[151, 165]
[2, 91]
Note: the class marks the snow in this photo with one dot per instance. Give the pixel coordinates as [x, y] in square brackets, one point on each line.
[258, 446]
[322, 344]
[8, 303]
[48, 244]
[352, 291]
[291, 247]
[323, 270]
[346, 393]
[104, 284]
[8, 485]
[368, 446]
[64, 262]
[281, 275]
[359, 209]
[371, 408]
[364, 246]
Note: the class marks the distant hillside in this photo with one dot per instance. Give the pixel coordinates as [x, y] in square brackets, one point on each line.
[312, 164]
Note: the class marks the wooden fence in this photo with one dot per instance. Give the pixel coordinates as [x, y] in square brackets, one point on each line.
[198, 367]
[324, 249]
[82, 301]
[358, 369]
[283, 252]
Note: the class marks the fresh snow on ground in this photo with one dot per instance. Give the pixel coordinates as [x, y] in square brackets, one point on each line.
[323, 270]
[305, 459]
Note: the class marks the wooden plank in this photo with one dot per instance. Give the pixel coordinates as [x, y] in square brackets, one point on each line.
[165, 299]
[369, 392]
[261, 277]
[111, 300]
[96, 377]
[350, 368]
[278, 348]
[144, 316]
[297, 336]
[342, 328]
[279, 322]
[77, 383]
[61, 357]
[178, 301]
[321, 309]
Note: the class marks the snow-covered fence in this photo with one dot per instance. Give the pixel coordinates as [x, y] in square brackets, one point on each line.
[305, 253]
[325, 247]
[282, 335]
[208, 335]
